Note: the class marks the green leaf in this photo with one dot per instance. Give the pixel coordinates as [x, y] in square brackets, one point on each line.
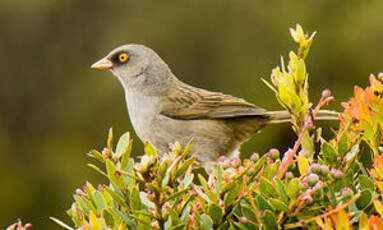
[122, 144]
[285, 95]
[130, 178]
[212, 196]
[366, 182]
[188, 147]
[300, 73]
[126, 157]
[99, 201]
[224, 226]
[343, 143]
[350, 156]
[127, 220]
[89, 189]
[248, 212]
[135, 201]
[167, 176]
[364, 200]
[267, 188]
[243, 226]
[188, 180]
[114, 175]
[97, 169]
[96, 155]
[329, 154]
[270, 220]
[202, 194]
[308, 144]
[215, 212]
[174, 217]
[281, 189]
[83, 203]
[293, 189]
[184, 167]
[176, 194]
[261, 203]
[116, 197]
[218, 185]
[108, 217]
[207, 222]
[109, 202]
[186, 205]
[179, 226]
[149, 150]
[233, 193]
[146, 201]
[62, 224]
[368, 131]
[269, 85]
[110, 140]
[270, 170]
[260, 163]
[278, 205]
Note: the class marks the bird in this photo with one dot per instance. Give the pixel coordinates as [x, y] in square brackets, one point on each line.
[163, 109]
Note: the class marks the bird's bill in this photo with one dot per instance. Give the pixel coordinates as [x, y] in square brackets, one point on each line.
[103, 63]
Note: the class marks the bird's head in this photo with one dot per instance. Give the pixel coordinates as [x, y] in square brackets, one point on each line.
[138, 68]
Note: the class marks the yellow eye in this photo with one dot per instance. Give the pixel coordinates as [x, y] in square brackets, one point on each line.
[123, 57]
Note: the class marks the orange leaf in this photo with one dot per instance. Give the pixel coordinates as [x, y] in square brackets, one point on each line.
[375, 223]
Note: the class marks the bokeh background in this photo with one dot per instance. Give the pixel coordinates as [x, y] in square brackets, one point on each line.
[53, 108]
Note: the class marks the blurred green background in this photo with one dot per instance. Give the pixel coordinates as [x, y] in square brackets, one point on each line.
[53, 108]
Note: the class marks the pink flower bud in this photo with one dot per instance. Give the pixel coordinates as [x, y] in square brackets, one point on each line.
[312, 179]
[336, 173]
[236, 162]
[326, 93]
[347, 193]
[242, 219]
[324, 170]
[289, 175]
[221, 203]
[307, 199]
[254, 157]
[274, 154]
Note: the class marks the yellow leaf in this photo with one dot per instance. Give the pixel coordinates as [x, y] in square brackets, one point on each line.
[121, 227]
[342, 220]
[303, 164]
[363, 222]
[380, 185]
[378, 206]
[94, 221]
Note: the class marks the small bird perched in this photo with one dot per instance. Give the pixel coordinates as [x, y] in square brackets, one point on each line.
[164, 110]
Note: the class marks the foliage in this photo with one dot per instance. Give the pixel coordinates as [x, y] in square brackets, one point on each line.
[336, 185]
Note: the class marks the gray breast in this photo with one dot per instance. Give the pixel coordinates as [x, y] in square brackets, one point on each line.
[142, 111]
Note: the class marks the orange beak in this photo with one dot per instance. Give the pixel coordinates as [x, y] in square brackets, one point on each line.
[103, 63]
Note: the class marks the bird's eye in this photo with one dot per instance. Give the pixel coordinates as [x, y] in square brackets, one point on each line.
[123, 57]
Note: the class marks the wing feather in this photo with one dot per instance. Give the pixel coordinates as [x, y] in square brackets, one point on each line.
[187, 102]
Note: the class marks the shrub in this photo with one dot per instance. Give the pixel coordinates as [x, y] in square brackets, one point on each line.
[327, 184]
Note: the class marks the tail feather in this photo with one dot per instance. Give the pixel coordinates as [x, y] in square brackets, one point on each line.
[283, 116]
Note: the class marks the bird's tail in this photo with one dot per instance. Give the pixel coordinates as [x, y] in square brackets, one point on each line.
[283, 116]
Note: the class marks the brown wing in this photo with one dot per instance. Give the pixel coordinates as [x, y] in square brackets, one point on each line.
[187, 102]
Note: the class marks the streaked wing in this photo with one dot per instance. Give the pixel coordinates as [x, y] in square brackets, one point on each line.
[187, 102]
